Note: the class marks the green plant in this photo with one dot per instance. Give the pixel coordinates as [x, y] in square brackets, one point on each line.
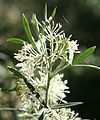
[39, 84]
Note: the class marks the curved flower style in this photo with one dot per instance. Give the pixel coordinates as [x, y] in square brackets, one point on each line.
[53, 31]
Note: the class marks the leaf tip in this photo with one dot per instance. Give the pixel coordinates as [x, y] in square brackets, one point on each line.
[8, 40]
[23, 17]
[23, 14]
[94, 47]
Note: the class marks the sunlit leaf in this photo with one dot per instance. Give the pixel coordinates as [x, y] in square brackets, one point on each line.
[84, 55]
[28, 32]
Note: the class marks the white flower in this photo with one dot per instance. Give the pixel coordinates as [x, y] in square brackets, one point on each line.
[29, 60]
[28, 100]
[72, 49]
[24, 53]
[72, 45]
[60, 114]
[57, 89]
[41, 84]
[53, 31]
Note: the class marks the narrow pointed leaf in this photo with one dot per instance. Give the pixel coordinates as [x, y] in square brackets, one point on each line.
[67, 105]
[84, 55]
[17, 73]
[91, 66]
[45, 12]
[9, 109]
[29, 85]
[28, 32]
[35, 24]
[41, 116]
[59, 68]
[16, 40]
[12, 109]
[53, 14]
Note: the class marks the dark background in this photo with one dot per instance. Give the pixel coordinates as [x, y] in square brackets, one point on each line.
[83, 23]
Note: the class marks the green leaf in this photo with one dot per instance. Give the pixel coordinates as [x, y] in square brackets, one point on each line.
[53, 14]
[45, 12]
[60, 67]
[12, 109]
[67, 105]
[35, 24]
[84, 55]
[28, 32]
[41, 116]
[16, 40]
[29, 85]
[91, 66]
[17, 73]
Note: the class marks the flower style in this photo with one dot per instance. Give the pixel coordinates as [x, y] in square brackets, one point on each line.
[53, 32]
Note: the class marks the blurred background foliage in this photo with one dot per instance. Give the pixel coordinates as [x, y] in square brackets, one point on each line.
[79, 18]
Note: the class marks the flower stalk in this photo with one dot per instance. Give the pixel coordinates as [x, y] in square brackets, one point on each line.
[48, 84]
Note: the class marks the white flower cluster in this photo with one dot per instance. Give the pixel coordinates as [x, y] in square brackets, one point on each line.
[62, 114]
[29, 60]
[58, 114]
[37, 67]
[57, 89]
